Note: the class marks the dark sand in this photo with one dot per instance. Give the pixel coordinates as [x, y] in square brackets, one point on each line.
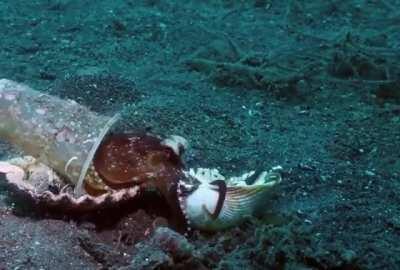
[312, 87]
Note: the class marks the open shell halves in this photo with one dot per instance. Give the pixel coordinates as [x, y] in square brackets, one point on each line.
[212, 202]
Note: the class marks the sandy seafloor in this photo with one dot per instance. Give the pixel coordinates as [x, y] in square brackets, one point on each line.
[314, 88]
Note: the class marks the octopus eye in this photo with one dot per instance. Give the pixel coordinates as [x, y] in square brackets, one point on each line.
[185, 190]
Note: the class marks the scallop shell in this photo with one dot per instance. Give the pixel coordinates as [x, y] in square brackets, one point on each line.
[212, 202]
[40, 184]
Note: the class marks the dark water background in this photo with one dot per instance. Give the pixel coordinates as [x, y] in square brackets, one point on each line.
[313, 86]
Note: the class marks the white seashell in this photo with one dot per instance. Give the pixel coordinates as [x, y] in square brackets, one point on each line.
[217, 203]
[204, 175]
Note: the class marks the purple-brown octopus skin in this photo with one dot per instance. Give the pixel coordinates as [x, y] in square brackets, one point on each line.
[125, 160]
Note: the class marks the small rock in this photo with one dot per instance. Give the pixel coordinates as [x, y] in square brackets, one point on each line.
[349, 256]
[173, 243]
[100, 252]
[150, 259]
[165, 248]
[369, 173]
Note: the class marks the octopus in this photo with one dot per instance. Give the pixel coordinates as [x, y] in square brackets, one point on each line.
[78, 165]
[125, 164]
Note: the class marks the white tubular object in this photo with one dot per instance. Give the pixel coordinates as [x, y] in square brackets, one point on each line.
[60, 133]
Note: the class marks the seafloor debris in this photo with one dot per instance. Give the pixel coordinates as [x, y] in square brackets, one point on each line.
[339, 60]
[227, 66]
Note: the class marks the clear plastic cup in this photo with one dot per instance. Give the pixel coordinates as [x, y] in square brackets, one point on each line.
[60, 133]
